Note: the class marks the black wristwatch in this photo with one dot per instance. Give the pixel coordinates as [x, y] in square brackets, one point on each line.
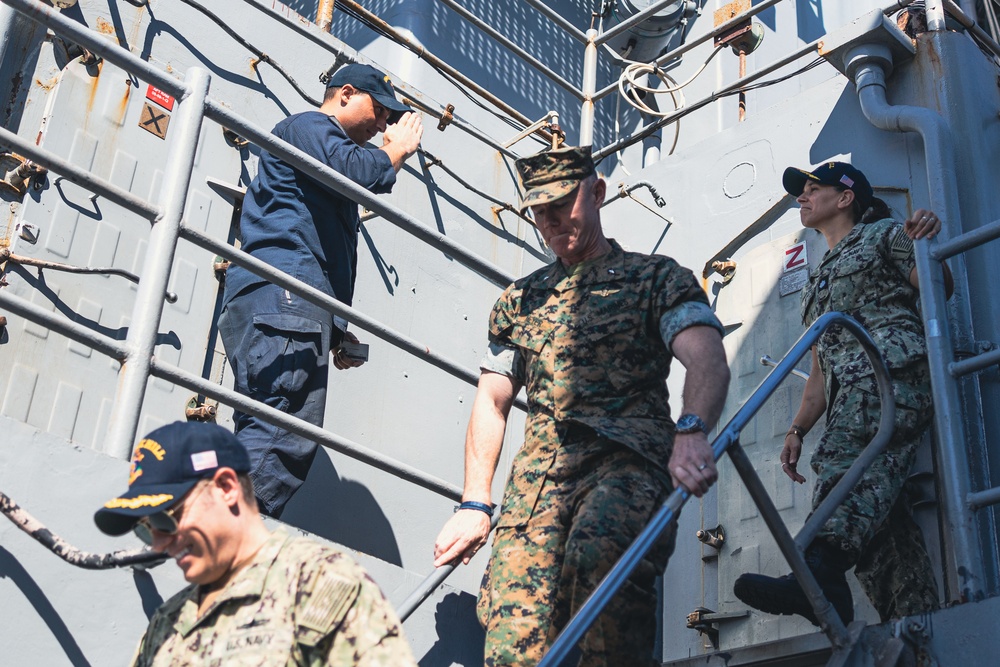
[691, 423]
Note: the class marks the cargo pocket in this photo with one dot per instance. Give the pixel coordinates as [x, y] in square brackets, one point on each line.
[286, 351]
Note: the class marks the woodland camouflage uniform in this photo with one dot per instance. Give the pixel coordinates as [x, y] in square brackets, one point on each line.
[866, 275]
[297, 603]
[587, 343]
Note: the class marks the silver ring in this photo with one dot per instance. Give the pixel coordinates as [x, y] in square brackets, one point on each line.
[784, 465]
[924, 218]
[702, 466]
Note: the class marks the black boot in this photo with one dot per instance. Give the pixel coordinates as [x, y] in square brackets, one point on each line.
[783, 595]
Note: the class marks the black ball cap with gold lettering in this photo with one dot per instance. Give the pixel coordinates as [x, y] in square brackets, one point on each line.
[165, 465]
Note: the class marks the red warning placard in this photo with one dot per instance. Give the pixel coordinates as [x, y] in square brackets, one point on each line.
[156, 95]
[795, 257]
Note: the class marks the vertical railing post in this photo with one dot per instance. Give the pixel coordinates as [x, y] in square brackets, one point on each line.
[142, 332]
[588, 88]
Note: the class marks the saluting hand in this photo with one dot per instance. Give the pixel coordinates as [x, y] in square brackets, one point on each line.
[405, 133]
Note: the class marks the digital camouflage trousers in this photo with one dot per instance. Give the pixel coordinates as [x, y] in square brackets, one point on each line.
[874, 525]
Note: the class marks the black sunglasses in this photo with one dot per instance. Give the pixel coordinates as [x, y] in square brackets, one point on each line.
[165, 522]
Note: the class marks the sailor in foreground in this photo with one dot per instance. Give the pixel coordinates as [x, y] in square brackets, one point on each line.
[870, 274]
[256, 597]
[276, 342]
[591, 337]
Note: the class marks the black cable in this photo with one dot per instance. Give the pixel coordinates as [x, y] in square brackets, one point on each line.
[261, 56]
[433, 161]
[346, 9]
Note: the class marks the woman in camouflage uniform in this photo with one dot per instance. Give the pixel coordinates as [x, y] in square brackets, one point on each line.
[869, 273]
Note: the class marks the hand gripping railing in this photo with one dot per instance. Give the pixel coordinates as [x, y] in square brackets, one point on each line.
[728, 441]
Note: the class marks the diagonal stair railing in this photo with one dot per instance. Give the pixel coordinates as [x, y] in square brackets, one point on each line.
[792, 548]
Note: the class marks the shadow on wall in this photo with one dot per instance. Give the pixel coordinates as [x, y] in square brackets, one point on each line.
[11, 569]
[460, 637]
[342, 511]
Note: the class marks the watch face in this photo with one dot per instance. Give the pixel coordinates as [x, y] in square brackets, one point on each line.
[690, 424]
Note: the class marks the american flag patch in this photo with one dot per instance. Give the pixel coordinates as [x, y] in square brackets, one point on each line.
[846, 180]
[331, 599]
[204, 460]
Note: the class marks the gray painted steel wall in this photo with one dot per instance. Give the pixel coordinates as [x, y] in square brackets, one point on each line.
[723, 176]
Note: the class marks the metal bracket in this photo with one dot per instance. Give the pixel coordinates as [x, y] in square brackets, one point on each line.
[705, 620]
[446, 117]
[713, 538]
[199, 412]
[220, 265]
[17, 173]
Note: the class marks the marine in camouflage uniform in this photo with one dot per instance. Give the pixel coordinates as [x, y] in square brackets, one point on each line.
[866, 276]
[296, 603]
[256, 598]
[591, 343]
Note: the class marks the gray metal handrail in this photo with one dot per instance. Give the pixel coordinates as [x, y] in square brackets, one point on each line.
[136, 353]
[433, 580]
[728, 441]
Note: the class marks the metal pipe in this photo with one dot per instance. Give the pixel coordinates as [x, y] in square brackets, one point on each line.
[317, 434]
[624, 191]
[648, 129]
[973, 364]
[435, 62]
[117, 350]
[766, 360]
[964, 574]
[328, 303]
[61, 548]
[962, 17]
[557, 18]
[338, 182]
[93, 41]
[145, 326]
[935, 15]
[323, 40]
[62, 326]
[589, 85]
[5, 255]
[324, 14]
[512, 47]
[432, 581]
[984, 498]
[790, 548]
[635, 20]
[967, 241]
[727, 438]
[81, 177]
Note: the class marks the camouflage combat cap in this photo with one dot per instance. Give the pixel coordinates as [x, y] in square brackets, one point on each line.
[551, 175]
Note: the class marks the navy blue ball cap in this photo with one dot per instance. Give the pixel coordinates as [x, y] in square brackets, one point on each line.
[840, 174]
[369, 80]
[166, 464]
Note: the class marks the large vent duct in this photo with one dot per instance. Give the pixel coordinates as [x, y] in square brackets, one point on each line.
[645, 41]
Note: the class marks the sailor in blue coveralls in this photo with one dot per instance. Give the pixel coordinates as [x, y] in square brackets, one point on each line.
[276, 342]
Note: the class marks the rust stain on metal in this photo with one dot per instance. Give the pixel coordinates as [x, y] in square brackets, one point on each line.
[47, 85]
[730, 11]
[123, 105]
[105, 27]
[93, 87]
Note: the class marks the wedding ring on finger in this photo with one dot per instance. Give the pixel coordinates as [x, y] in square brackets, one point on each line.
[702, 467]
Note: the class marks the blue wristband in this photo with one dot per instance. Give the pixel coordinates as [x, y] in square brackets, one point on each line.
[473, 505]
